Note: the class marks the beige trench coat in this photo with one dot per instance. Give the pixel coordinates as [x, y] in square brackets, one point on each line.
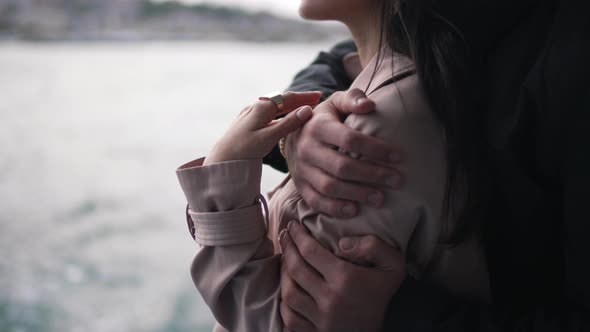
[236, 268]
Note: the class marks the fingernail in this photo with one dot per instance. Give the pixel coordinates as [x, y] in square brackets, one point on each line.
[347, 243]
[304, 113]
[375, 199]
[393, 181]
[348, 210]
[360, 100]
[395, 157]
[290, 225]
[282, 235]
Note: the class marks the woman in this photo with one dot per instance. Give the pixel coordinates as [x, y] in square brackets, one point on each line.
[237, 271]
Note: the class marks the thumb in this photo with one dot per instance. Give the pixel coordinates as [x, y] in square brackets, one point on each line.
[289, 123]
[351, 101]
[372, 251]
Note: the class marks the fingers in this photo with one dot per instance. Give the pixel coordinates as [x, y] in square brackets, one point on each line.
[297, 268]
[261, 113]
[313, 253]
[293, 321]
[351, 101]
[332, 182]
[324, 204]
[333, 187]
[288, 124]
[295, 297]
[370, 250]
[341, 166]
[335, 133]
[293, 100]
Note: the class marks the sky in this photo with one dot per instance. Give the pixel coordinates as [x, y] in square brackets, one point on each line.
[288, 8]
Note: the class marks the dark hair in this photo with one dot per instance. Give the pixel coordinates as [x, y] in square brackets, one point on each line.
[448, 70]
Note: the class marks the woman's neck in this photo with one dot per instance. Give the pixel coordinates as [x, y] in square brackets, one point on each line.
[366, 32]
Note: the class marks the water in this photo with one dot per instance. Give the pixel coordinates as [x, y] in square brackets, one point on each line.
[92, 229]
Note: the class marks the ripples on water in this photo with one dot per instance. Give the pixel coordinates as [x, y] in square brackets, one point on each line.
[93, 236]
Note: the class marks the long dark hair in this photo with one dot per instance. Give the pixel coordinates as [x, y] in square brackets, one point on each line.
[449, 71]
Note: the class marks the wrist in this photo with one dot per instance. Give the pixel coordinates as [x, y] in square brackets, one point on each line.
[222, 152]
[214, 157]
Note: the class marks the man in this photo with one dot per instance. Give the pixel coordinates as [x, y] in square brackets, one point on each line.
[536, 236]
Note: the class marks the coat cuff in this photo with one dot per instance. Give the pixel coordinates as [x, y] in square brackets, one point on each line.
[229, 228]
[224, 186]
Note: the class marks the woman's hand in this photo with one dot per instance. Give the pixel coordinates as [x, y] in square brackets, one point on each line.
[321, 292]
[254, 133]
[330, 181]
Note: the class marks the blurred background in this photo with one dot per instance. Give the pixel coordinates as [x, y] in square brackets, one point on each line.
[100, 102]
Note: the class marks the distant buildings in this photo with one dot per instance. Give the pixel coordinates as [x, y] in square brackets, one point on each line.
[88, 20]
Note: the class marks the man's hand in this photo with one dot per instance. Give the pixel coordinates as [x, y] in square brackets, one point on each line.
[329, 180]
[321, 292]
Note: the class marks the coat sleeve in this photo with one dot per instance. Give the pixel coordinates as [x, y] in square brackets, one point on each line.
[235, 268]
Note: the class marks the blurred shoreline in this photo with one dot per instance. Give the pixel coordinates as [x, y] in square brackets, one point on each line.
[144, 20]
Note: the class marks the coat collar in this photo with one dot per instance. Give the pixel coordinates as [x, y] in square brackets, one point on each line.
[384, 68]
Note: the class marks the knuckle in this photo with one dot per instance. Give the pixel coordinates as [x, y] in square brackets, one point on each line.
[343, 283]
[348, 279]
[286, 281]
[304, 151]
[349, 141]
[289, 318]
[380, 174]
[330, 207]
[341, 266]
[299, 275]
[289, 295]
[307, 193]
[328, 307]
[337, 94]
[314, 125]
[356, 92]
[291, 266]
[342, 166]
[315, 204]
[327, 186]
[308, 249]
[370, 243]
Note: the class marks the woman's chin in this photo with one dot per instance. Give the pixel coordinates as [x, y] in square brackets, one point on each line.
[310, 12]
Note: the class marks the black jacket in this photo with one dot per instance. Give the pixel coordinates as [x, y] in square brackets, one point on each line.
[537, 234]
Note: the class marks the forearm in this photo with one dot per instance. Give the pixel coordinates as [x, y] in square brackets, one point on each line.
[240, 284]
[235, 270]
